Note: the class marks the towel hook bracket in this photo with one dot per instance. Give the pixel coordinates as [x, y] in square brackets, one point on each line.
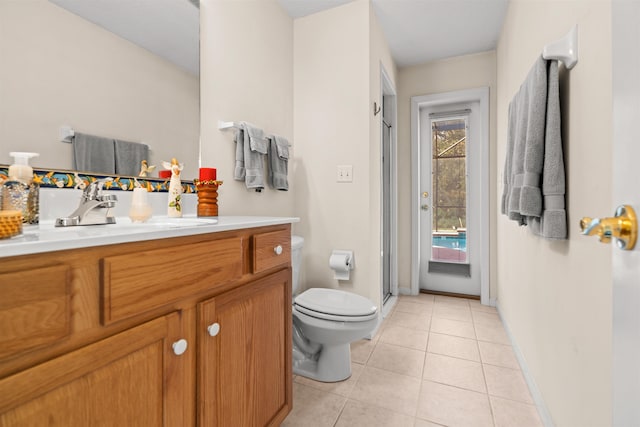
[564, 49]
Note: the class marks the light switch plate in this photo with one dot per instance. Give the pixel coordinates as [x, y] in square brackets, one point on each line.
[345, 173]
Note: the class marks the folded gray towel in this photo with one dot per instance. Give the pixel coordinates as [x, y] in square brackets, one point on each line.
[93, 154]
[553, 222]
[534, 181]
[239, 172]
[255, 147]
[528, 151]
[129, 156]
[278, 162]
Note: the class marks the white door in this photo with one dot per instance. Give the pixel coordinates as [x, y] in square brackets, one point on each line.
[477, 197]
[450, 220]
[626, 189]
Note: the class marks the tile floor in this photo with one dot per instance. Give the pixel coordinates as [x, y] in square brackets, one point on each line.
[436, 361]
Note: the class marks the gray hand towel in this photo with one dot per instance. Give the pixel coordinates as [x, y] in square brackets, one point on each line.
[553, 222]
[93, 154]
[129, 156]
[239, 172]
[255, 147]
[278, 162]
[525, 198]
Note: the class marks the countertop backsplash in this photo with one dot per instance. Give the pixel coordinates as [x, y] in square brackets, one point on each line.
[57, 203]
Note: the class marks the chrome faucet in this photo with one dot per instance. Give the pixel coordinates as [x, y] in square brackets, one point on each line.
[94, 207]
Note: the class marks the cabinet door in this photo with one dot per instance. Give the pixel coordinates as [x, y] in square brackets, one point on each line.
[130, 379]
[245, 361]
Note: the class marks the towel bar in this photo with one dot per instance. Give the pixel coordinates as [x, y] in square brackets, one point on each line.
[66, 134]
[227, 125]
[565, 49]
[222, 125]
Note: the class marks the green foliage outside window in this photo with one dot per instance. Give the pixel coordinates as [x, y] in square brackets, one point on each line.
[449, 182]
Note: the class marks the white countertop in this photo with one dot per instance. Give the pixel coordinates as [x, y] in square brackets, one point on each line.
[47, 238]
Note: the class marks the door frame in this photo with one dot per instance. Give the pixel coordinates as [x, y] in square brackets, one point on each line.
[480, 95]
[387, 89]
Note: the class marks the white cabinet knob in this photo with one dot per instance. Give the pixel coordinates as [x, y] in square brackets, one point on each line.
[277, 250]
[213, 329]
[179, 347]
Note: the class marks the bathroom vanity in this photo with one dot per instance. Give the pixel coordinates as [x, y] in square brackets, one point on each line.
[166, 326]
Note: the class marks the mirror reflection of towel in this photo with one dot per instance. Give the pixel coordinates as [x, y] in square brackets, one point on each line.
[93, 154]
[128, 156]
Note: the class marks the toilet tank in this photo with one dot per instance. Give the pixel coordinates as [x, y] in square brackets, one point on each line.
[296, 261]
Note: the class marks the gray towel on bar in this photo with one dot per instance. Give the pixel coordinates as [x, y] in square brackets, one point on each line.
[128, 157]
[553, 222]
[278, 162]
[93, 154]
[529, 106]
[254, 147]
[534, 182]
[239, 172]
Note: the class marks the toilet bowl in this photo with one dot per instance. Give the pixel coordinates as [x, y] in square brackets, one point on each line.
[325, 323]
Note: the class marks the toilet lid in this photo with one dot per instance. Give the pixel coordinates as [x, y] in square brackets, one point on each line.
[334, 304]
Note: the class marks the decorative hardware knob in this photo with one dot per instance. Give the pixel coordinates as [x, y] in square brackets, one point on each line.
[278, 250]
[213, 329]
[179, 347]
[623, 227]
[424, 207]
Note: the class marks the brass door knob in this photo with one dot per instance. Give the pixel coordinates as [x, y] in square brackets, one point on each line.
[623, 227]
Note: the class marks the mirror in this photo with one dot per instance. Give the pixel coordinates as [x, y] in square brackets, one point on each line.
[125, 70]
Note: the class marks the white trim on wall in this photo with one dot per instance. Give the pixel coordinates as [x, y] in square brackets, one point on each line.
[480, 95]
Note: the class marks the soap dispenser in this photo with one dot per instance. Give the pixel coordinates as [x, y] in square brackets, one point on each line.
[19, 192]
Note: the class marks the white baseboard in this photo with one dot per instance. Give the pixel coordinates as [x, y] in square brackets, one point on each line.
[545, 415]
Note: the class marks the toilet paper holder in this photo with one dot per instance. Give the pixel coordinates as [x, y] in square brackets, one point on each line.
[342, 262]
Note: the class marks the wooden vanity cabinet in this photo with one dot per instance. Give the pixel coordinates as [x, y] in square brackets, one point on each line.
[244, 359]
[129, 379]
[110, 351]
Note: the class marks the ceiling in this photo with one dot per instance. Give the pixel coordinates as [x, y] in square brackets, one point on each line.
[417, 31]
[420, 31]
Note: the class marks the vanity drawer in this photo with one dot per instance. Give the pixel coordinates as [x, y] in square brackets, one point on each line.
[138, 282]
[271, 250]
[35, 308]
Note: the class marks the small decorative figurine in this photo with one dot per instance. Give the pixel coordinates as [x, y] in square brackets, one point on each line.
[174, 209]
[145, 169]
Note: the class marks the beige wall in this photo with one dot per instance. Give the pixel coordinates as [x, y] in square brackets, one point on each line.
[59, 69]
[464, 72]
[337, 55]
[247, 75]
[555, 296]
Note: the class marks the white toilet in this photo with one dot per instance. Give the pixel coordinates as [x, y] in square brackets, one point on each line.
[325, 323]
